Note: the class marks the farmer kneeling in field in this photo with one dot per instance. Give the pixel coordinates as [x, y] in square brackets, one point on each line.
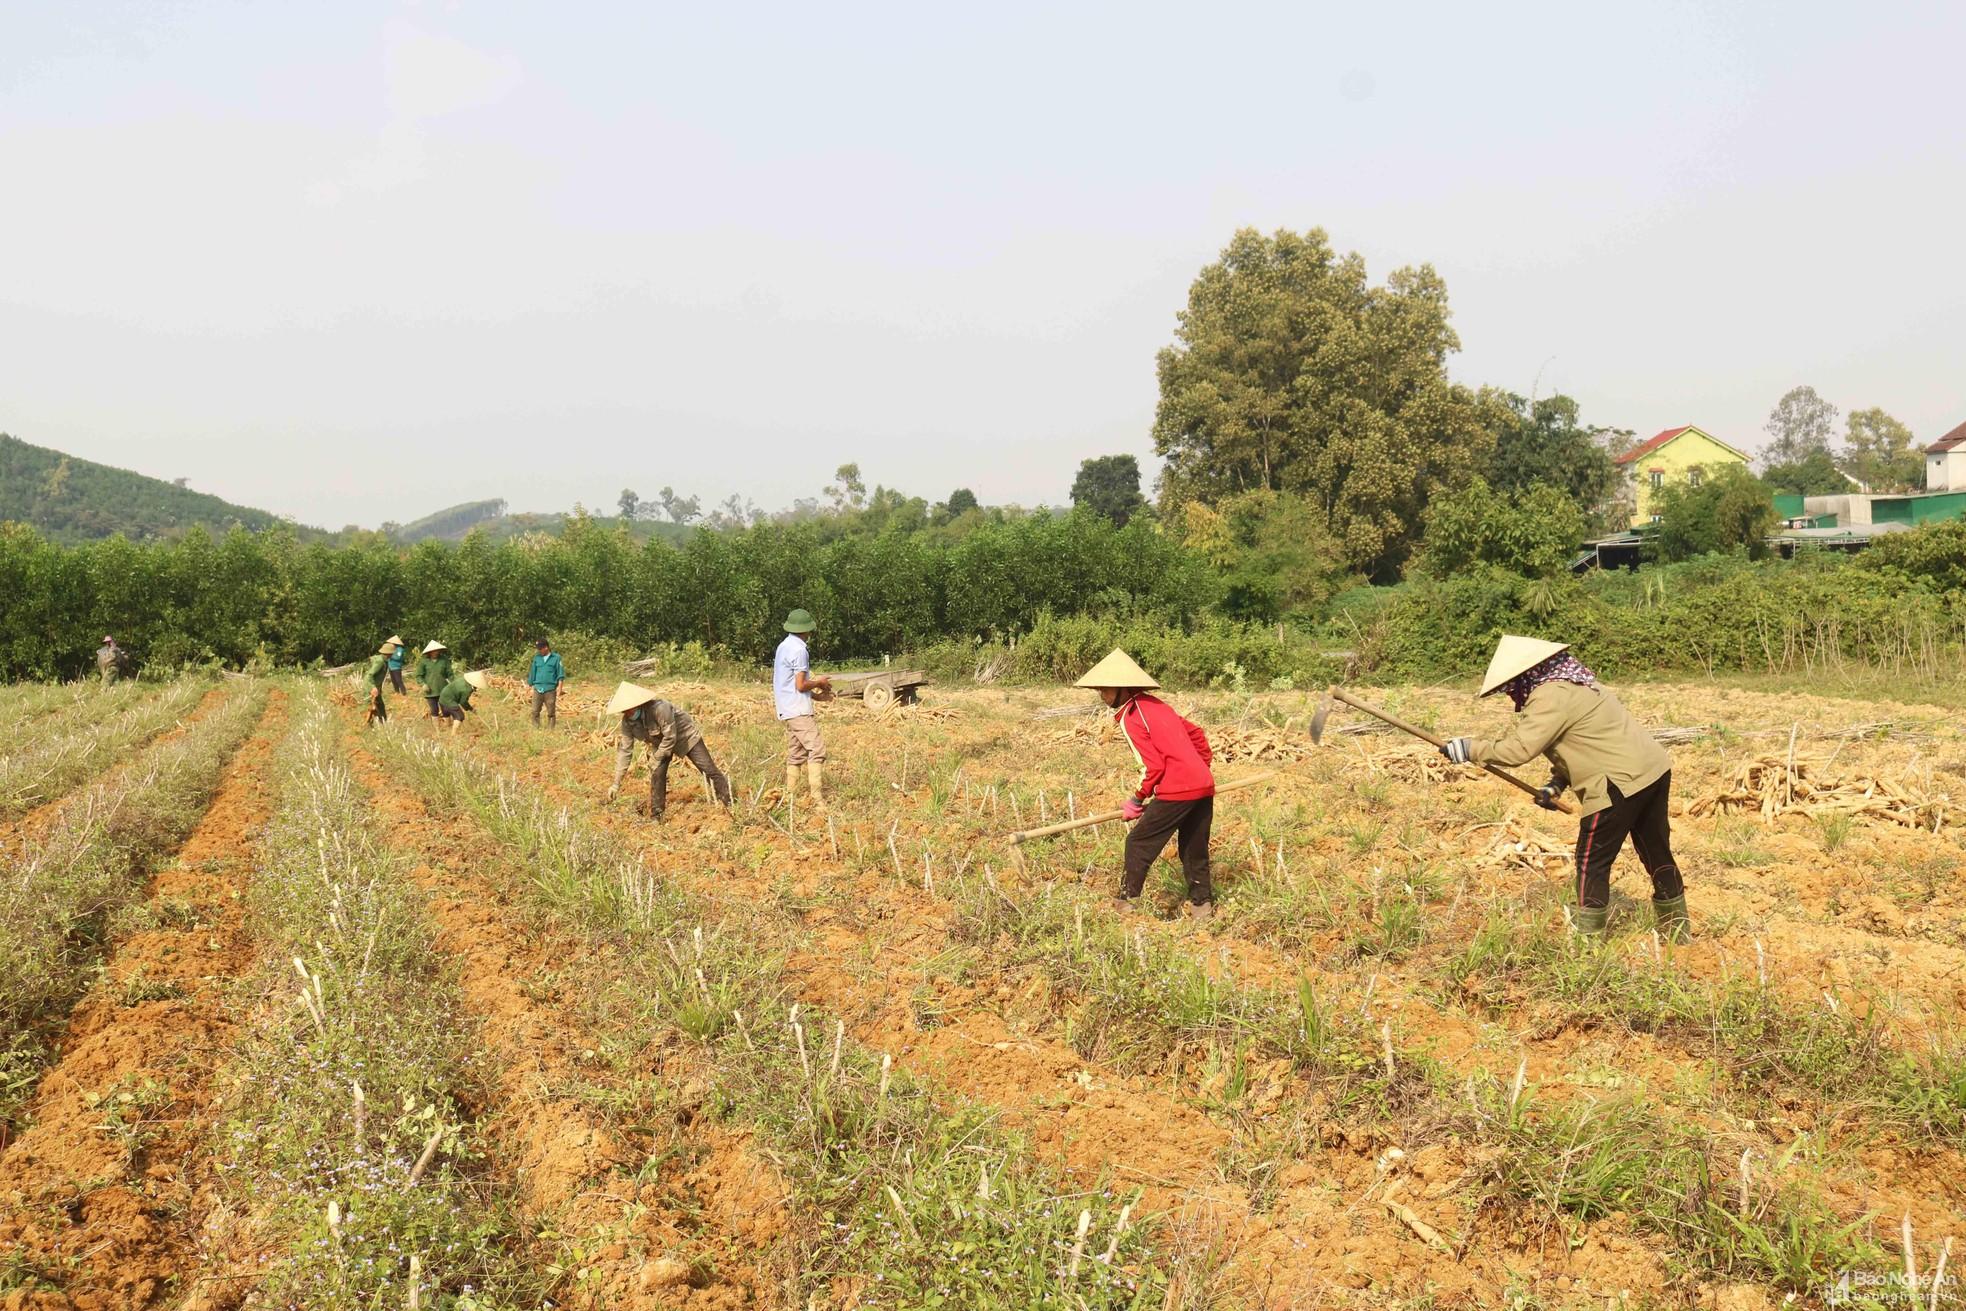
[377, 675]
[1621, 776]
[434, 671]
[645, 717]
[454, 702]
[1177, 789]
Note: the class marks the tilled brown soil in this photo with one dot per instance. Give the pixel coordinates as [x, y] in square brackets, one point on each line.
[678, 1214]
[104, 1192]
[874, 943]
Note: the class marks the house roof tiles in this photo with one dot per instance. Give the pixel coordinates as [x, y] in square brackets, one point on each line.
[1652, 444]
[1951, 441]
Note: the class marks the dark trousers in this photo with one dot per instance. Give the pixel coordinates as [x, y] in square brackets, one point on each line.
[1641, 816]
[431, 701]
[550, 701]
[1191, 821]
[396, 680]
[378, 708]
[698, 755]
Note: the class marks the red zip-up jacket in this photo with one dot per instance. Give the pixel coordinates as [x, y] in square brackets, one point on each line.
[1174, 754]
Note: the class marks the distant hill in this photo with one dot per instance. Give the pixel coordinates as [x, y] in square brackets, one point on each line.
[492, 519]
[447, 525]
[74, 500]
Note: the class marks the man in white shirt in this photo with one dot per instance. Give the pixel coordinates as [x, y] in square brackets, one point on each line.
[793, 688]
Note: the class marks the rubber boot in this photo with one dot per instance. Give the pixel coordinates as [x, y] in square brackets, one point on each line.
[818, 787]
[1200, 910]
[791, 783]
[1669, 915]
[1588, 921]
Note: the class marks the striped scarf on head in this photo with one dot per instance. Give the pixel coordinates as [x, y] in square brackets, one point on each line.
[1559, 668]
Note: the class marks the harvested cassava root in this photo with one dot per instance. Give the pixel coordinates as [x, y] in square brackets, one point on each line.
[1780, 785]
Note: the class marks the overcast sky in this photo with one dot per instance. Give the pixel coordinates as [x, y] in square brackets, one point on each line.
[354, 262]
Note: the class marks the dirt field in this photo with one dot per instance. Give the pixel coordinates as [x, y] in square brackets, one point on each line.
[1383, 1075]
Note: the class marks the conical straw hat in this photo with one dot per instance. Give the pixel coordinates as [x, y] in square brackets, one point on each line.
[627, 697]
[1517, 655]
[435, 645]
[1117, 670]
[387, 648]
[477, 679]
[395, 641]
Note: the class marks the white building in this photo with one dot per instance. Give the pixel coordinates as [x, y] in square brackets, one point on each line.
[1945, 462]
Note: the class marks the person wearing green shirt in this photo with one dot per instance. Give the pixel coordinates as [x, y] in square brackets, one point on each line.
[545, 677]
[454, 702]
[434, 671]
[377, 673]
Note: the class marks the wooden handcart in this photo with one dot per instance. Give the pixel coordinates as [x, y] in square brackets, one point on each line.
[878, 689]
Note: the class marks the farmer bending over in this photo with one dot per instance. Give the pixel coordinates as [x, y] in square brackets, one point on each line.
[454, 702]
[645, 717]
[1622, 777]
[1177, 789]
[377, 674]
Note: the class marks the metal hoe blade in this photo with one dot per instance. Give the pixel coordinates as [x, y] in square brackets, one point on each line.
[1317, 721]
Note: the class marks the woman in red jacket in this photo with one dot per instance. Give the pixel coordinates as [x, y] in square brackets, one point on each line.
[1176, 795]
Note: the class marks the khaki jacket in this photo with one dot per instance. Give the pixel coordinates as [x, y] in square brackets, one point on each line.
[667, 730]
[1590, 739]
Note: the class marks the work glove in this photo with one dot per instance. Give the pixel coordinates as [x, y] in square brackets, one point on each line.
[1458, 749]
[1546, 796]
[614, 790]
[1132, 808]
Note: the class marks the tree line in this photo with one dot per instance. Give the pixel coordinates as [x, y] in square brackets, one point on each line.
[267, 597]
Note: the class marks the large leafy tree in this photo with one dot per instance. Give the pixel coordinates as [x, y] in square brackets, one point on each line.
[1109, 486]
[1547, 443]
[1533, 531]
[1801, 423]
[1879, 452]
[1815, 474]
[1730, 510]
[1292, 372]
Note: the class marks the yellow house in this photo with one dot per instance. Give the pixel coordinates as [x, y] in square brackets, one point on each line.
[1686, 452]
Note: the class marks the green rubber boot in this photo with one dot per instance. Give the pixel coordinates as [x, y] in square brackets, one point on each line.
[1588, 921]
[1669, 915]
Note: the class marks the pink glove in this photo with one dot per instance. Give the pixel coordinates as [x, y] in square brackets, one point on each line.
[1131, 808]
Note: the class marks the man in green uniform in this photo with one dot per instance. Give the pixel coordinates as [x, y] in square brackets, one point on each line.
[545, 677]
[378, 673]
[454, 702]
[645, 717]
[435, 673]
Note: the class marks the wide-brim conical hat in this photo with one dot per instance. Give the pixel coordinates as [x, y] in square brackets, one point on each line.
[395, 641]
[435, 646]
[627, 697]
[1117, 670]
[477, 679]
[1517, 655]
[387, 648]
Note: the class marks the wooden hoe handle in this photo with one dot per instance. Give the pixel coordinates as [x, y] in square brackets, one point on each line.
[1340, 694]
[1106, 816]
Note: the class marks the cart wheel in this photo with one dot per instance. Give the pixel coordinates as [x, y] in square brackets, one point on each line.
[878, 696]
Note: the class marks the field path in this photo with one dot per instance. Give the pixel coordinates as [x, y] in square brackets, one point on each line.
[704, 1216]
[103, 1195]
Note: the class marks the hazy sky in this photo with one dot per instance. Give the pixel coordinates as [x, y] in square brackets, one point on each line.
[355, 262]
